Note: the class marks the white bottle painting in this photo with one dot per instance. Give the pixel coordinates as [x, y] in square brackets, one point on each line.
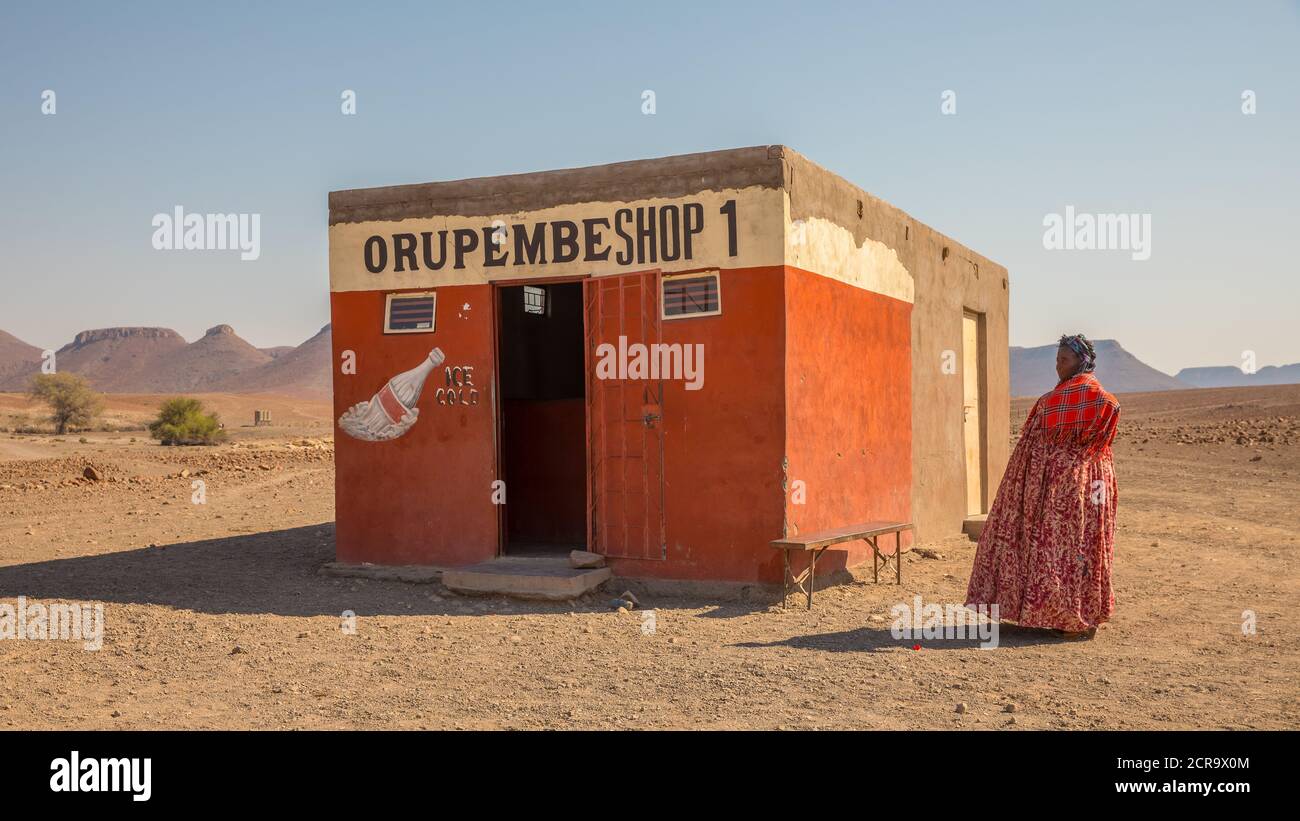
[391, 412]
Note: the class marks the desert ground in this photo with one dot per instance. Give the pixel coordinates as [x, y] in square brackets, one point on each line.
[216, 614]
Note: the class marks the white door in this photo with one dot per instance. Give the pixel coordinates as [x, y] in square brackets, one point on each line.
[972, 402]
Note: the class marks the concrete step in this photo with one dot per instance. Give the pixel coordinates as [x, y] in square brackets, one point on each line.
[525, 577]
[974, 526]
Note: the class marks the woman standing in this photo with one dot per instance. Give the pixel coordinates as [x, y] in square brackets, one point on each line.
[1045, 553]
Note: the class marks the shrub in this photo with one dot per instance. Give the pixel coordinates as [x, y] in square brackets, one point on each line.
[72, 403]
[182, 421]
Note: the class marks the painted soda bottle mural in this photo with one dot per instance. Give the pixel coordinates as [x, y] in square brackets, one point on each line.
[392, 411]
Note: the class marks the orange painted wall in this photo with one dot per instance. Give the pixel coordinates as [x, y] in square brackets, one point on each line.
[723, 444]
[848, 405]
[544, 464]
[424, 498]
[796, 366]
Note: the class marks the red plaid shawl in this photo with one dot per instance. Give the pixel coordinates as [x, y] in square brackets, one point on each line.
[1080, 409]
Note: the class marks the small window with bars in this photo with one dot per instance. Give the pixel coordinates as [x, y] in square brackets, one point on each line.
[410, 313]
[534, 300]
[689, 295]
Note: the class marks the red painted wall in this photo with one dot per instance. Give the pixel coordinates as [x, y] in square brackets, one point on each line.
[424, 498]
[848, 404]
[545, 466]
[723, 444]
[796, 366]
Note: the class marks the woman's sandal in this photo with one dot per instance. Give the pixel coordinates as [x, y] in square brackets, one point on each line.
[1076, 635]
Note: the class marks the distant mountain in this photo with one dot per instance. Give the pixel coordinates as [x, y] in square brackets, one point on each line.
[1033, 370]
[123, 360]
[220, 357]
[17, 357]
[1229, 376]
[159, 360]
[303, 371]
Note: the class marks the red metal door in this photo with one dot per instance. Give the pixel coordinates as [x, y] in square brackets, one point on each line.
[625, 474]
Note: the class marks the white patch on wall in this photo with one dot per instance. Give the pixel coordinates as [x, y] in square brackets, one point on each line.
[829, 249]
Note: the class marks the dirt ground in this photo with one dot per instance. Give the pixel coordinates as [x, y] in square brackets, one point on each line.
[216, 615]
[131, 412]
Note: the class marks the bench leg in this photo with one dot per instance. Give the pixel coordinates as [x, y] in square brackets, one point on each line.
[877, 560]
[785, 587]
[812, 575]
[801, 582]
[898, 557]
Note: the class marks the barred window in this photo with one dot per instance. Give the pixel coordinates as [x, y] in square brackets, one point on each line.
[410, 313]
[534, 300]
[689, 295]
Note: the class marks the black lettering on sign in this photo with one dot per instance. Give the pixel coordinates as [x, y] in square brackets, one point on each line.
[491, 250]
[530, 249]
[645, 235]
[622, 216]
[376, 254]
[564, 241]
[693, 220]
[427, 236]
[591, 238]
[404, 251]
[466, 241]
[670, 246]
[729, 209]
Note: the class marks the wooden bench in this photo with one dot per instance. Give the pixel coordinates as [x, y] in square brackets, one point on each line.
[818, 542]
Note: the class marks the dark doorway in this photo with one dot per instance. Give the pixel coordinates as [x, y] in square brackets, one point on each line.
[544, 423]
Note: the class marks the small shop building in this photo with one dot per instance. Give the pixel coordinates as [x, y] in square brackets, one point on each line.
[670, 362]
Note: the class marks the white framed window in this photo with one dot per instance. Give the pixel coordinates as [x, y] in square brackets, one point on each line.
[534, 300]
[690, 295]
[410, 313]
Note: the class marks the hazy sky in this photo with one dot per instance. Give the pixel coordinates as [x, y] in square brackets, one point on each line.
[232, 107]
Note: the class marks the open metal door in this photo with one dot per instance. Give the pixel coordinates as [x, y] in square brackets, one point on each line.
[625, 474]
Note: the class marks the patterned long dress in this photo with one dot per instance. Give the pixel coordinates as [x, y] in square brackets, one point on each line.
[1045, 553]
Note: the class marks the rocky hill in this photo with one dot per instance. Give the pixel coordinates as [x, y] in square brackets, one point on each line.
[17, 357]
[121, 360]
[1229, 376]
[304, 370]
[219, 357]
[159, 360]
[1033, 370]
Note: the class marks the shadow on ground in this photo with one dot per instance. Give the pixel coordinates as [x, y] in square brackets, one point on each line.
[272, 572]
[874, 639]
[269, 572]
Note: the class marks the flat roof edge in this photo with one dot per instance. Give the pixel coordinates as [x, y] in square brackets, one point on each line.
[814, 190]
[634, 179]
